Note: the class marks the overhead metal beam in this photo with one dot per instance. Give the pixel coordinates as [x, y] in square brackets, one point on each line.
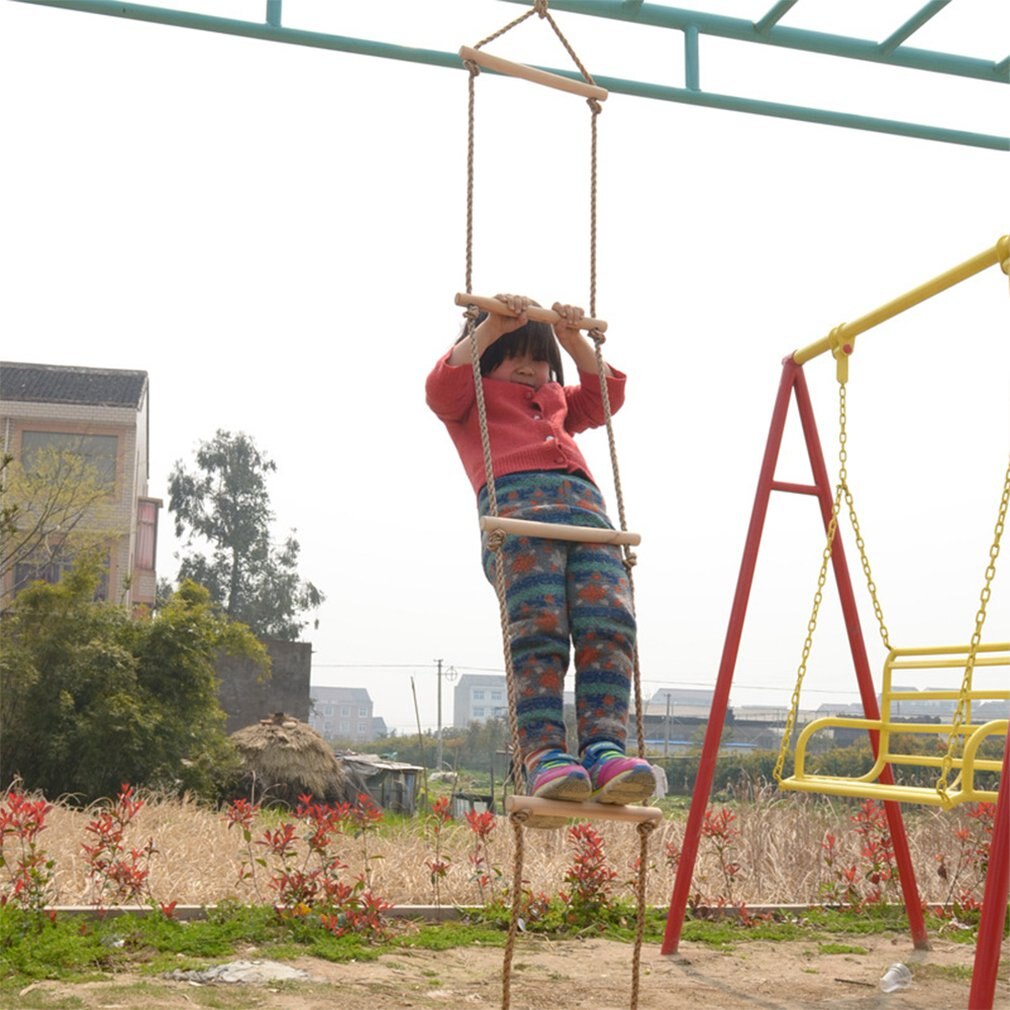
[274, 32]
[774, 16]
[660, 16]
[912, 25]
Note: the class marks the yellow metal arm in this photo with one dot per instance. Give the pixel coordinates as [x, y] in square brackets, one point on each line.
[847, 332]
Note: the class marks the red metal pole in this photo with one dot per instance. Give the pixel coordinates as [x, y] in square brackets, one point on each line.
[720, 699]
[857, 646]
[994, 900]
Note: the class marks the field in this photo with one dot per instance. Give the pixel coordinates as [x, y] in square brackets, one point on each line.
[777, 845]
[772, 852]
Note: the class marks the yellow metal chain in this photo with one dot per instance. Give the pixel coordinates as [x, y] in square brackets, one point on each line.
[841, 492]
[963, 701]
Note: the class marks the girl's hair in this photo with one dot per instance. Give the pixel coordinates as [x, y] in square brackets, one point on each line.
[535, 338]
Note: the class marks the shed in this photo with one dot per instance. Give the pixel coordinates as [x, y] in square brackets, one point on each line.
[393, 785]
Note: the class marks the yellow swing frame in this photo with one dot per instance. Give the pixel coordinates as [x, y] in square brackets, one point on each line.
[963, 735]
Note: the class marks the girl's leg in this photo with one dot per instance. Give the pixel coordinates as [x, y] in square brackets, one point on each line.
[603, 633]
[535, 581]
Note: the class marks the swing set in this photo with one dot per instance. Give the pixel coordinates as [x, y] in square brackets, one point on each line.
[957, 769]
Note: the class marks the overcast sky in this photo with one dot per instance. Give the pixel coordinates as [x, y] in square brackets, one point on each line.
[275, 234]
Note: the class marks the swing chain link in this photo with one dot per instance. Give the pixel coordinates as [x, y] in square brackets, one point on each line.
[841, 492]
[856, 531]
[963, 710]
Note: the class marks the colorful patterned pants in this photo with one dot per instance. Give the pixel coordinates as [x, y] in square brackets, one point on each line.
[562, 597]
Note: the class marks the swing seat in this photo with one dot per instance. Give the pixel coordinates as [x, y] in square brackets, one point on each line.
[963, 788]
[559, 531]
[556, 813]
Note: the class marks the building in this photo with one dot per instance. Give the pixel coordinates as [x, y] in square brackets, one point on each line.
[477, 698]
[343, 713]
[87, 431]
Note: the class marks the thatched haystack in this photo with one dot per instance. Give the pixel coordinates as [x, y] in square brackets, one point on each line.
[284, 758]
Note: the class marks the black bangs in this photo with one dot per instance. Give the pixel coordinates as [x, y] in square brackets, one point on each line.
[536, 339]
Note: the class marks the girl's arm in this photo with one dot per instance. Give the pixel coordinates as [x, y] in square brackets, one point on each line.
[580, 348]
[492, 328]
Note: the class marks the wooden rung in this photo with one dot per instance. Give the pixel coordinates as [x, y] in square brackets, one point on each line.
[535, 312]
[500, 66]
[559, 531]
[581, 811]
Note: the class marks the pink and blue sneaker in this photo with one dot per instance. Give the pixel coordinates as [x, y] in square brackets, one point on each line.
[558, 776]
[615, 777]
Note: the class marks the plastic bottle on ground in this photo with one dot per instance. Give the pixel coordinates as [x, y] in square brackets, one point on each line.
[896, 977]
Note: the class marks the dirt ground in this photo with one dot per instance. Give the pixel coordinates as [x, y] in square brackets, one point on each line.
[571, 974]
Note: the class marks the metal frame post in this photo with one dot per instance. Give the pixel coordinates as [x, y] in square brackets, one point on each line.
[793, 382]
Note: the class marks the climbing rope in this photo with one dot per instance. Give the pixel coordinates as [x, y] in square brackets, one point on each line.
[495, 538]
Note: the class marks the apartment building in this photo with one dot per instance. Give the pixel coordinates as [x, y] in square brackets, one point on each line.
[344, 713]
[51, 414]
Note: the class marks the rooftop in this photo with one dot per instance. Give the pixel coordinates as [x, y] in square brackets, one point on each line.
[94, 387]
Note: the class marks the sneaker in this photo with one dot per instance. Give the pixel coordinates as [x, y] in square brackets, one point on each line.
[617, 778]
[558, 776]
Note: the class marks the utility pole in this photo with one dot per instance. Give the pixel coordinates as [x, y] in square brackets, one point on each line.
[666, 740]
[438, 752]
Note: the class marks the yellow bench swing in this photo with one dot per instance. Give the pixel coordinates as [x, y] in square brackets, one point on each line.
[958, 771]
[964, 736]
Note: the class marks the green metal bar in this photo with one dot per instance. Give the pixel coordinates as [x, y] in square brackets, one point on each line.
[775, 15]
[802, 114]
[659, 16]
[255, 30]
[912, 25]
[692, 63]
[366, 47]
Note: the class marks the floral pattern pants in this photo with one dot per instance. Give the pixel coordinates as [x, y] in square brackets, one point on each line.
[564, 598]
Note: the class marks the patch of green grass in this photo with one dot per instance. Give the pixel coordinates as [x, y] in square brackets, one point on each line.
[955, 972]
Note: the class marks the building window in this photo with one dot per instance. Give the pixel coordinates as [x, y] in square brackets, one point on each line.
[345, 710]
[147, 534]
[98, 451]
[478, 695]
[362, 711]
[496, 695]
[478, 712]
[44, 567]
[362, 728]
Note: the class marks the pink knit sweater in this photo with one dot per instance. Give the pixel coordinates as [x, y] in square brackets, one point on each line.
[530, 429]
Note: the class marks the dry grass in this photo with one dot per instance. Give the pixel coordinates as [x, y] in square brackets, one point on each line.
[198, 859]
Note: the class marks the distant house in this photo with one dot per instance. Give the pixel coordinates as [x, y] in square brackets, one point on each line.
[343, 713]
[477, 698]
[100, 417]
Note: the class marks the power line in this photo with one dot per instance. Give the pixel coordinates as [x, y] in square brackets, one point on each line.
[501, 672]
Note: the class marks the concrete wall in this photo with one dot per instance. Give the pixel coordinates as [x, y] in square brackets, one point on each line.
[246, 698]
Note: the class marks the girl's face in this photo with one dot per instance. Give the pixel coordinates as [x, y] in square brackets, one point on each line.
[522, 369]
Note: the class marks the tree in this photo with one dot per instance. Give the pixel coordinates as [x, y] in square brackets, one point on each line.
[56, 504]
[224, 505]
[91, 698]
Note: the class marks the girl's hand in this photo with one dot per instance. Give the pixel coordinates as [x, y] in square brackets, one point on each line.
[574, 341]
[567, 328]
[498, 326]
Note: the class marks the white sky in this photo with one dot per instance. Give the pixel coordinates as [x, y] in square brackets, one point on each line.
[275, 234]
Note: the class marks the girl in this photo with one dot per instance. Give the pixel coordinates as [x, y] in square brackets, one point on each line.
[561, 594]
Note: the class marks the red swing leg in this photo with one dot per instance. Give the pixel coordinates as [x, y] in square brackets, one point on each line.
[994, 900]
